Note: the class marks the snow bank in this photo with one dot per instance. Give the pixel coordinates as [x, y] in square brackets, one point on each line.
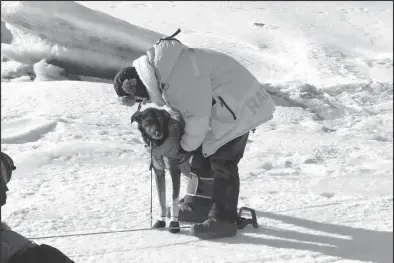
[11, 69]
[45, 71]
[320, 43]
[317, 43]
[72, 37]
[25, 130]
[6, 35]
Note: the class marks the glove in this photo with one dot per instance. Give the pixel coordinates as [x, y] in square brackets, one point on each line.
[183, 156]
[170, 146]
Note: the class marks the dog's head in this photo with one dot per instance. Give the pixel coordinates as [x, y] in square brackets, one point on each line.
[153, 125]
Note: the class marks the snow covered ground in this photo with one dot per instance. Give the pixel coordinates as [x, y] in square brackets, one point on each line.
[320, 174]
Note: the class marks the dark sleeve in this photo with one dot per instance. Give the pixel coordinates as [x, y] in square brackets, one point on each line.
[3, 191]
[41, 254]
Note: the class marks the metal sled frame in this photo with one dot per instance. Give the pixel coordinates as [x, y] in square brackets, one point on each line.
[242, 222]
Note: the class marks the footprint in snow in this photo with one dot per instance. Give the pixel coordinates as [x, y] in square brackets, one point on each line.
[267, 166]
[253, 174]
[380, 138]
[328, 195]
[263, 25]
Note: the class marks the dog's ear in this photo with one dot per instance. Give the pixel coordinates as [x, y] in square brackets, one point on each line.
[166, 114]
[136, 117]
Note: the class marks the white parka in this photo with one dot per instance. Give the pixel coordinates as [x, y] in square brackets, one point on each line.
[189, 80]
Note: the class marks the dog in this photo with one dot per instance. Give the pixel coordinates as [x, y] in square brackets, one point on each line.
[153, 125]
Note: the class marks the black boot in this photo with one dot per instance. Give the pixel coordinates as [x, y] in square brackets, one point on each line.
[174, 227]
[159, 224]
[214, 228]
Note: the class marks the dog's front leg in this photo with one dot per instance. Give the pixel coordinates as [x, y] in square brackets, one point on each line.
[176, 184]
[161, 193]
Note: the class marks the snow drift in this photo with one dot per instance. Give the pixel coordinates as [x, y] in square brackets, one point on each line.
[71, 36]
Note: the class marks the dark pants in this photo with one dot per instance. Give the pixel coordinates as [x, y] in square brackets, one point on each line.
[224, 166]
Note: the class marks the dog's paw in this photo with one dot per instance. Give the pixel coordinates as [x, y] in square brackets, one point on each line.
[159, 224]
[174, 227]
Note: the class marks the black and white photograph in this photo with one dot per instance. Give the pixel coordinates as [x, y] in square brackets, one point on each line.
[196, 131]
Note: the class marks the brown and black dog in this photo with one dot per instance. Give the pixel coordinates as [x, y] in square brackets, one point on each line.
[153, 125]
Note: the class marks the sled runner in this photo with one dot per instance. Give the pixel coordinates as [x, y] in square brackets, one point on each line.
[242, 221]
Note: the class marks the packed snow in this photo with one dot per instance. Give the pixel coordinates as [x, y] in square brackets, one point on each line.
[319, 175]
